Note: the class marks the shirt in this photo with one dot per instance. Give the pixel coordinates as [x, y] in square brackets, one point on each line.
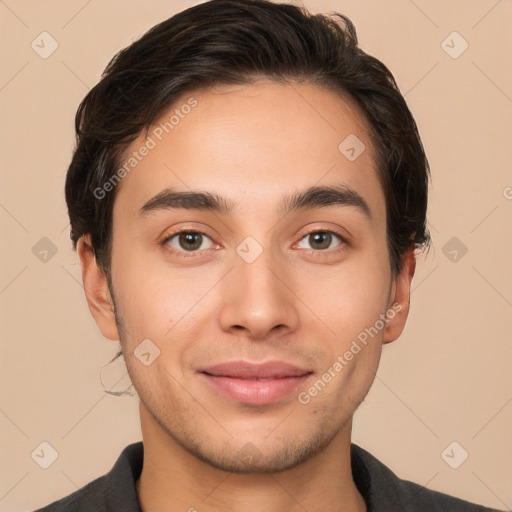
[382, 490]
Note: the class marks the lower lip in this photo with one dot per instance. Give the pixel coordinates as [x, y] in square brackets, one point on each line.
[256, 392]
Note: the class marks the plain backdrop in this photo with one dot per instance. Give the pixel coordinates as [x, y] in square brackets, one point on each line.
[447, 379]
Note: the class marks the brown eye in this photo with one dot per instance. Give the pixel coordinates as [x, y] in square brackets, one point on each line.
[321, 240]
[188, 241]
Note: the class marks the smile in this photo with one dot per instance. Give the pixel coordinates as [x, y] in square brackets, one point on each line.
[255, 384]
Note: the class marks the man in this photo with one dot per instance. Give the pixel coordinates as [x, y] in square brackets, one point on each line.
[246, 197]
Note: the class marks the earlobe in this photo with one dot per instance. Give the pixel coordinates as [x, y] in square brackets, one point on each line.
[96, 290]
[398, 310]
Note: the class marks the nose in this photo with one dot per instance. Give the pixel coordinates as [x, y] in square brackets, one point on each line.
[258, 298]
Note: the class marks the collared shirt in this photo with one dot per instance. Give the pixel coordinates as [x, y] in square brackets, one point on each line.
[382, 490]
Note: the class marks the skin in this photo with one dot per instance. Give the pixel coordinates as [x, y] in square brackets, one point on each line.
[253, 144]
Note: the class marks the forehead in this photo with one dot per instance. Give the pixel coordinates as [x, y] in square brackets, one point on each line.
[251, 143]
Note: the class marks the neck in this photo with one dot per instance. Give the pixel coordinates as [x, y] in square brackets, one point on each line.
[173, 480]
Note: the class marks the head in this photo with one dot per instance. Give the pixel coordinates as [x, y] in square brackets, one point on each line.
[237, 119]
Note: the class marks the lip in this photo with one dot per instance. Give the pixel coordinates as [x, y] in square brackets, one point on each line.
[255, 384]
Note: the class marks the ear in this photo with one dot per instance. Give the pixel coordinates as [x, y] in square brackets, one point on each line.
[399, 300]
[96, 290]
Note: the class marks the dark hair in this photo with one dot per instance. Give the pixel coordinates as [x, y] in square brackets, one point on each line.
[239, 41]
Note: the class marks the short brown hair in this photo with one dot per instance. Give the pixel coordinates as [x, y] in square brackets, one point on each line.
[236, 41]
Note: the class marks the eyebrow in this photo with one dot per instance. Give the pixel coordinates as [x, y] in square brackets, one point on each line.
[313, 197]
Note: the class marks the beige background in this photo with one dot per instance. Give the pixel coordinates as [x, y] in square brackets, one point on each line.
[449, 376]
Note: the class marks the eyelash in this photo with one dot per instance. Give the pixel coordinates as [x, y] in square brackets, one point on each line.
[342, 245]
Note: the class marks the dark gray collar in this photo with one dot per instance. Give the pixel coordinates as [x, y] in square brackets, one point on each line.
[382, 490]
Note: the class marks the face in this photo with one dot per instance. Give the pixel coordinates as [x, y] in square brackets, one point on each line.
[264, 305]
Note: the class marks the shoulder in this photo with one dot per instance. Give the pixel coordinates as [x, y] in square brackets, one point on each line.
[386, 492]
[112, 491]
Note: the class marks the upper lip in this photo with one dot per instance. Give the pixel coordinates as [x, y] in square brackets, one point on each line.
[245, 370]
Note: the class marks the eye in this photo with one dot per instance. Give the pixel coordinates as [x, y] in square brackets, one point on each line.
[188, 241]
[321, 240]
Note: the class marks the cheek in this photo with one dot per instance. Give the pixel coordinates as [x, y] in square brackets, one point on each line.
[173, 310]
[347, 298]
[149, 296]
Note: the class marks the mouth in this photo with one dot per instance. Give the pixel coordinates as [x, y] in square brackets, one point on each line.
[255, 384]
